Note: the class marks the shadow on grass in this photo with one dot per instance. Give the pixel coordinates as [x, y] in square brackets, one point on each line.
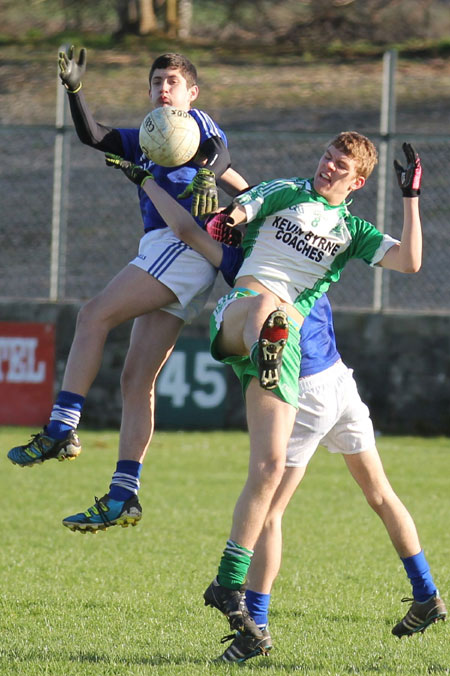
[176, 660]
[346, 618]
[180, 660]
[43, 657]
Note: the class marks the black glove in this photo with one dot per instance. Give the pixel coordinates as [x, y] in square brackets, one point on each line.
[409, 178]
[134, 172]
[71, 71]
[204, 193]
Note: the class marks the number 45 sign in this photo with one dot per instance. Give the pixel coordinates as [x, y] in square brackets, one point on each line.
[191, 389]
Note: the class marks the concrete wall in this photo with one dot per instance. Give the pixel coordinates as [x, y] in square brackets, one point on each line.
[401, 363]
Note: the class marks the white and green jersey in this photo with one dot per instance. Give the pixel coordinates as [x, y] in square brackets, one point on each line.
[297, 244]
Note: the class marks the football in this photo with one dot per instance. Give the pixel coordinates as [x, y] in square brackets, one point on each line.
[169, 136]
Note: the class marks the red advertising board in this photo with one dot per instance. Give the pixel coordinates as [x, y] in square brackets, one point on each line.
[27, 358]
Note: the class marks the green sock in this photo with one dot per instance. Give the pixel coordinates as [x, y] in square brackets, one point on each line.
[234, 565]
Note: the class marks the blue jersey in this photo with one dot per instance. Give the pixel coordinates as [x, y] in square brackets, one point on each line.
[173, 179]
[317, 339]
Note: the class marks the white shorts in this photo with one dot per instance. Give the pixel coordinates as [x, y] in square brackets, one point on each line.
[331, 414]
[184, 271]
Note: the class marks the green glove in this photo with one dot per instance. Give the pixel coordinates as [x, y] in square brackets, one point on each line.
[204, 193]
[134, 172]
[71, 71]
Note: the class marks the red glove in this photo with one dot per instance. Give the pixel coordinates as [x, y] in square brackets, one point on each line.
[217, 227]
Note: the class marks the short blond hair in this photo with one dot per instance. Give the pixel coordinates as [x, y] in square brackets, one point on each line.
[359, 148]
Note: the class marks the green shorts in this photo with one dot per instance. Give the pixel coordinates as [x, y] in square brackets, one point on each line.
[287, 389]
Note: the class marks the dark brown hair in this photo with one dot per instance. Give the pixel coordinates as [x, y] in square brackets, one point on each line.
[178, 61]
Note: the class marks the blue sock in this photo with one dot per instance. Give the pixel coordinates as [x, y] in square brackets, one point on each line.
[125, 480]
[65, 414]
[418, 572]
[258, 607]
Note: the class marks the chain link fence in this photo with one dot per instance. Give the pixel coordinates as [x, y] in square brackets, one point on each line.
[102, 223]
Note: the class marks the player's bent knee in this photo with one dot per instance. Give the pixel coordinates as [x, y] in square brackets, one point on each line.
[90, 315]
[375, 500]
[84, 317]
[264, 303]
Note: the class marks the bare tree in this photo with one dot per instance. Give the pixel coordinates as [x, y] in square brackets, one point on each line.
[375, 21]
[142, 17]
[136, 16]
[184, 18]
[171, 18]
[147, 23]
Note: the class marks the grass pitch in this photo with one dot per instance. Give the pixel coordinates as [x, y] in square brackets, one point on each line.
[128, 602]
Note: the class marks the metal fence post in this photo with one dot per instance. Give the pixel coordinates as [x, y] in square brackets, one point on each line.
[58, 248]
[387, 128]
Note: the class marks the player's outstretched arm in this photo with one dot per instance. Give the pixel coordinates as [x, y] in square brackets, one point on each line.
[177, 217]
[407, 256]
[90, 132]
